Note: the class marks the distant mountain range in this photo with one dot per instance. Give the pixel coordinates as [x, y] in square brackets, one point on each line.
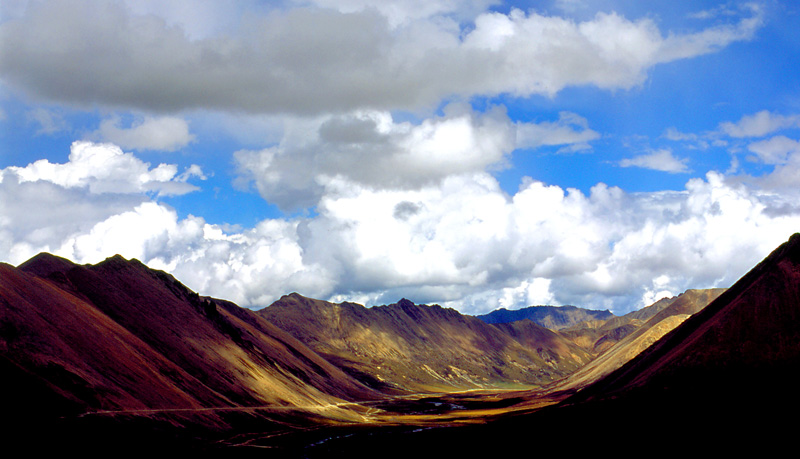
[115, 351]
[552, 317]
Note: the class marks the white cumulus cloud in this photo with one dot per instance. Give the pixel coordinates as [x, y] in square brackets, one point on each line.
[43, 204]
[569, 129]
[105, 168]
[400, 208]
[372, 149]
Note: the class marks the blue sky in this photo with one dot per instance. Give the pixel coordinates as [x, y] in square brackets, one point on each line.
[475, 154]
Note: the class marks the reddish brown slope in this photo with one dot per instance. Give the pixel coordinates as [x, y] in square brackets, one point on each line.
[550, 345]
[82, 354]
[121, 336]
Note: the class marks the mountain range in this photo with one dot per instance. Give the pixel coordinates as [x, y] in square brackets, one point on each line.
[404, 347]
[119, 354]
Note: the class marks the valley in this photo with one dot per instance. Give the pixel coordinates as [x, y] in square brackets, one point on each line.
[117, 354]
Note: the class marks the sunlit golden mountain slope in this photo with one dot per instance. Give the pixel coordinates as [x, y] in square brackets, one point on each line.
[669, 313]
[412, 347]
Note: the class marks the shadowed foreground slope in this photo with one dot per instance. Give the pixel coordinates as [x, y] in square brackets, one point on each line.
[744, 345]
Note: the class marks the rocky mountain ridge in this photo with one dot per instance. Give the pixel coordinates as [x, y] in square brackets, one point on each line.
[422, 348]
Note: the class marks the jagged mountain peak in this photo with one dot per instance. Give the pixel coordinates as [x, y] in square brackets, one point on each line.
[405, 303]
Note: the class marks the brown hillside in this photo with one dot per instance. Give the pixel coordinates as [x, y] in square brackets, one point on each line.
[411, 347]
[670, 313]
[83, 355]
[597, 336]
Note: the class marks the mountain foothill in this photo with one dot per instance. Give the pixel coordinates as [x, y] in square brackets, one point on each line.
[117, 355]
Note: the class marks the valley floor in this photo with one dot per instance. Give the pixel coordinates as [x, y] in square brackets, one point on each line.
[471, 423]
[290, 432]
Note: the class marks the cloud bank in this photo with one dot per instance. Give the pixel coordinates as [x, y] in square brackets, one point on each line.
[312, 60]
[462, 241]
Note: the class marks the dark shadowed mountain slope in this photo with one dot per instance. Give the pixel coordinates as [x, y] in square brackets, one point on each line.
[420, 348]
[120, 336]
[740, 355]
[552, 317]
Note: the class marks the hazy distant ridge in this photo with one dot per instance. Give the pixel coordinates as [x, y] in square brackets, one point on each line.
[552, 317]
